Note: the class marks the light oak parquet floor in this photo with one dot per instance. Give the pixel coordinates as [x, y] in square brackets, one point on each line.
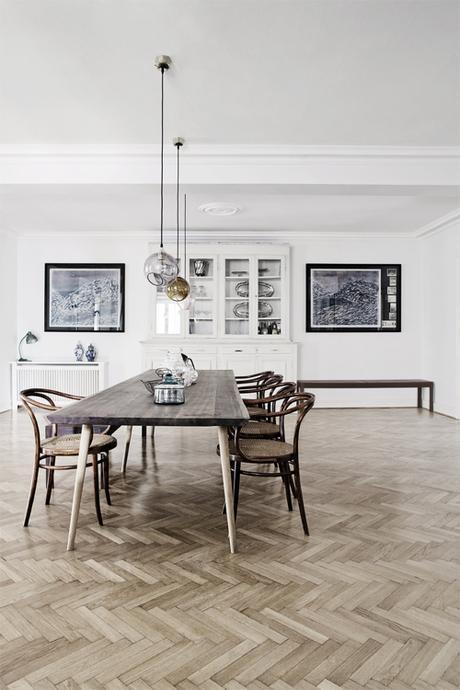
[154, 600]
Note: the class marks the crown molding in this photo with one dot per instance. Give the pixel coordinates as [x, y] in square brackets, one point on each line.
[223, 165]
[217, 236]
[438, 225]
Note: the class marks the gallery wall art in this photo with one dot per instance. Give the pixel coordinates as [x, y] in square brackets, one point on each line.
[353, 297]
[85, 297]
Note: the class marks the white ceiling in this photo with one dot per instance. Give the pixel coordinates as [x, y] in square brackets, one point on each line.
[135, 209]
[338, 72]
[270, 72]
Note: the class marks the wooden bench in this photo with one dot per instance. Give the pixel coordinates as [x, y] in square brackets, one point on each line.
[419, 384]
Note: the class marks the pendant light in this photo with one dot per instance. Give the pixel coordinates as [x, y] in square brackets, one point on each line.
[178, 288]
[160, 267]
[188, 304]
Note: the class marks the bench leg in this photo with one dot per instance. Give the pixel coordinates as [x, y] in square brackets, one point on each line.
[431, 389]
[419, 397]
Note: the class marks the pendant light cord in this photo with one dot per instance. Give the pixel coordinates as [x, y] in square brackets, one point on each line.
[162, 154]
[177, 204]
[185, 236]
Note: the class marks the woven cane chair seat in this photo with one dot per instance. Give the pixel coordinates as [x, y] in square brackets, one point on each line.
[262, 448]
[69, 444]
[254, 428]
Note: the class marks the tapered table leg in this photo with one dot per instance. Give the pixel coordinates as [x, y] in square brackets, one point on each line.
[227, 480]
[85, 442]
[129, 433]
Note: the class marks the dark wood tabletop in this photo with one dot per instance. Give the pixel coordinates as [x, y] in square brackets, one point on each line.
[213, 401]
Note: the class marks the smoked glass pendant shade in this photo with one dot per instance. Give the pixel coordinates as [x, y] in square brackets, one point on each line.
[178, 289]
[160, 268]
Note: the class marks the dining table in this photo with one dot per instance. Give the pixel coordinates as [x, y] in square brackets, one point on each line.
[213, 401]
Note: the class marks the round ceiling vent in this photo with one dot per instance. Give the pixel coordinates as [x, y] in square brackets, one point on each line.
[219, 208]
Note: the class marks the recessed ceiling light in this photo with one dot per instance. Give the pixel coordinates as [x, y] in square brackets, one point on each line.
[219, 208]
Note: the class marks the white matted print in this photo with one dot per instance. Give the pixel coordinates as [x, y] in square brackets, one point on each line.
[84, 297]
[345, 298]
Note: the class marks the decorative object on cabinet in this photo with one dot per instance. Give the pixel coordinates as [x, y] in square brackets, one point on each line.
[265, 309]
[265, 289]
[90, 353]
[85, 297]
[79, 352]
[241, 310]
[178, 288]
[201, 267]
[353, 297]
[160, 267]
[30, 338]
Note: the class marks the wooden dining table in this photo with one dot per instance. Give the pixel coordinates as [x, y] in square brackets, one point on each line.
[213, 400]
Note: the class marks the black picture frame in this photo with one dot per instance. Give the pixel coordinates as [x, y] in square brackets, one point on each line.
[323, 314]
[111, 310]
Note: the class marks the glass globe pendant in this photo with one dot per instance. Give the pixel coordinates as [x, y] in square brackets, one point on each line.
[178, 289]
[160, 267]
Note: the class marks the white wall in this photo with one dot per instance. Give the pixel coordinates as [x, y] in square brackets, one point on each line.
[440, 260]
[360, 355]
[322, 355]
[7, 314]
[121, 350]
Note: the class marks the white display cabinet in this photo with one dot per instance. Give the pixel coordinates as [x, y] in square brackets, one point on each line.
[240, 315]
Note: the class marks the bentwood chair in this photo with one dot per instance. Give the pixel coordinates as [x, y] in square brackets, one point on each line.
[49, 449]
[281, 454]
[256, 407]
[259, 426]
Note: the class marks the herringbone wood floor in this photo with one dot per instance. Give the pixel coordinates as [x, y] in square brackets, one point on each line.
[154, 600]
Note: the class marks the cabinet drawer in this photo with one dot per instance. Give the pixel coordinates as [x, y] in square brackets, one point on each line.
[238, 349]
[269, 349]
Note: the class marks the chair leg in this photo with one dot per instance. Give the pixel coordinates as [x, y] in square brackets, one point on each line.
[33, 487]
[106, 465]
[96, 490]
[292, 485]
[129, 433]
[284, 467]
[144, 432]
[299, 497]
[232, 477]
[236, 487]
[50, 485]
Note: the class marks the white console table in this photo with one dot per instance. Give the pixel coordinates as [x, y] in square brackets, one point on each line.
[78, 378]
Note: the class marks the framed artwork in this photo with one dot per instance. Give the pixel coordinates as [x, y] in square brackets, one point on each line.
[85, 297]
[353, 297]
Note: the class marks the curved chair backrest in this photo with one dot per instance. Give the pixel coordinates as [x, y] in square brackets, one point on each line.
[42, 398]
[301, 403]
[262, 387]
[253, 381]
[272, 397]
[251, 378]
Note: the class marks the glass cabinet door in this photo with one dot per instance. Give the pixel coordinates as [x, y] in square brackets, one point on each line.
[269, 297]
[201, 318]
[236, 296]
[167, 317]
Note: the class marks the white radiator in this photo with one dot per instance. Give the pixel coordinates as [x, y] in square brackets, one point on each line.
[78, 378]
